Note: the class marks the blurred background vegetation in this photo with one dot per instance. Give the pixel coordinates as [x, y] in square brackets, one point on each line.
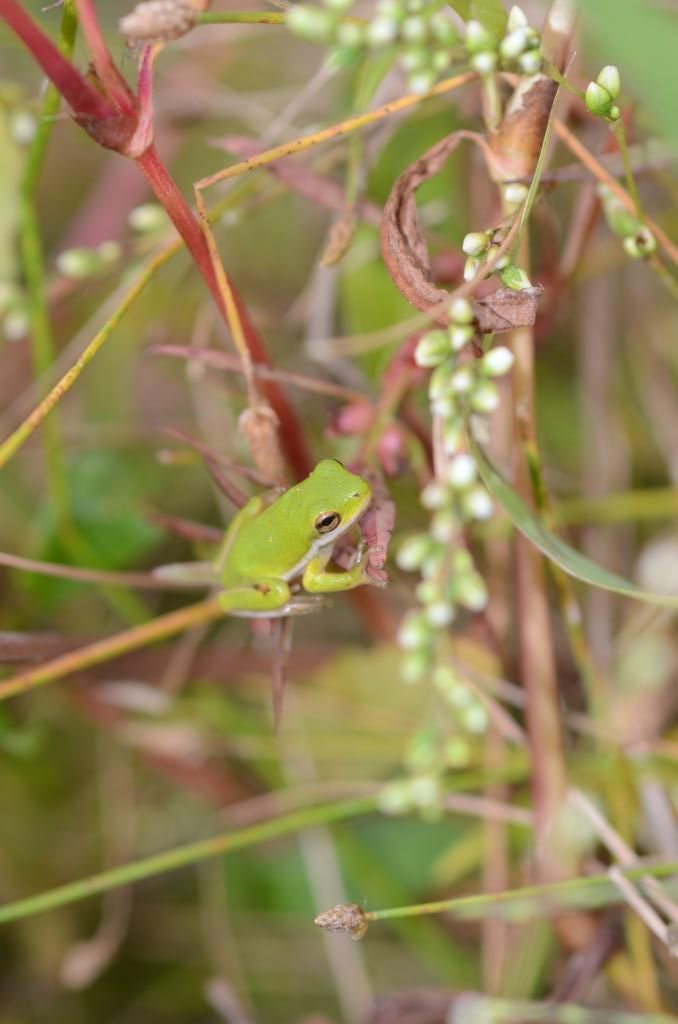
[173, 743]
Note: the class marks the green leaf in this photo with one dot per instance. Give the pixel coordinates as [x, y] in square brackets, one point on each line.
[489, 13]
[570, 561]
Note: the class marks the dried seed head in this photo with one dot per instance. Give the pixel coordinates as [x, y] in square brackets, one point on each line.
[261, 429]
[158, 21]
[346, 917]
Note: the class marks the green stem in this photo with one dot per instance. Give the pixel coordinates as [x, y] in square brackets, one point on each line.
[242, 18]
[183, 856]
[550, 897]
[42, 341]
[619, 132]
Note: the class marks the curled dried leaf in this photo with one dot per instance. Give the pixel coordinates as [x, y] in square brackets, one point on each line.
[406, 256]
[345, 917]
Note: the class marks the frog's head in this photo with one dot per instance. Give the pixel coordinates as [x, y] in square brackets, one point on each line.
[333, 499]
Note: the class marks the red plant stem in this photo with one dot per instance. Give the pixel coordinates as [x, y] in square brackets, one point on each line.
[167, 193]
[114, 84]
[76, 90]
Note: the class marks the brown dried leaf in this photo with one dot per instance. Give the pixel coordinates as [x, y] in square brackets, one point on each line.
[406, 256]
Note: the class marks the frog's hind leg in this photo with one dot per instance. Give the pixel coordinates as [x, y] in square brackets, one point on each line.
[268, 594]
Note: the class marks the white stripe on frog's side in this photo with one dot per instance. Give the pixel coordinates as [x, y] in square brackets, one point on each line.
[324, 541]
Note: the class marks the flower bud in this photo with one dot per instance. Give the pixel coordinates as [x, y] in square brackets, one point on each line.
[609, 80]
[425, 791]
[22, 127]
[311, 22]
[461, 311]
[15, 324]
[515, 278]
[392, 9]
[513, 44]
[440, 614]
[421, 81]
[441, 60]
[444, 526]
[462, 471]
[414, 58]
[350, 35]
[497, 361]
[475, 718]
[530, 61]
[453, 433]
[413, 30]
[462, 380]
[380, 32]
[415, 666]
[516, 19]
[457, 753]
[395, 798]
[460, 335]
[432, 349]
[485, 397]
[477, 38]
[478, 504]
[147, 217]
[475, 243]
[515, 193]
[434, 496]
[413, 551]
[471, 268]
[484, 63]
[598, 100]
[78, 263]
[470, 591]
[414, 632]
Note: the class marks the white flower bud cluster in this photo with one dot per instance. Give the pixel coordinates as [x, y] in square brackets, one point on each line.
[637, 239]
[81, 263]
[520, 48]
[601, 94]
[478, 246]
[449, 579]
[424, 37]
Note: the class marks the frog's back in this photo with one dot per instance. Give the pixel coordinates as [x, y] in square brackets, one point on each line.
[273, 543]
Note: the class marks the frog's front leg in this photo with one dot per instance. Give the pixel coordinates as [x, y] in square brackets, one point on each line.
[318, 581]
[268, 594]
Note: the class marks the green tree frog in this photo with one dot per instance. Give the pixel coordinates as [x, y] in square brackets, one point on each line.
[268, 546]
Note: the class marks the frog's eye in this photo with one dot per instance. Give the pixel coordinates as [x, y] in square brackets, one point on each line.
[327, 521]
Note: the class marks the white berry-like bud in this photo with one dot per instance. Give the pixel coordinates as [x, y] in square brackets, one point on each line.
[444, 527]
[598, 99]
[497, 361]
[453, 433]
[515, 193]
[516, 19]
[15, 325]
[432, 349]
[478, 504]
[515, 278]
[415, 666]
[443, 30]
[413, 30]
[471, 268]
[502, 262]
[350, 35]
[530, 61]
[414, 631]
[462, 471]
[514, 43]
[22, 127]
[421, 81]
[380, 32]
[475, 243]
[471, 592]
[484, 63]
[310, 22]
[147, 217]
[485, 397]
[461, 311]
[78, 263]
[610, 80]
[460, 335]
[414, 58]
[476, 718]
[440, 614]
[412, 553]
[434, 496]
[462, 380]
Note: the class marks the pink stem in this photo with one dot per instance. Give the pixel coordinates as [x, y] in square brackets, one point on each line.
[109, 76]
[83, 99]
